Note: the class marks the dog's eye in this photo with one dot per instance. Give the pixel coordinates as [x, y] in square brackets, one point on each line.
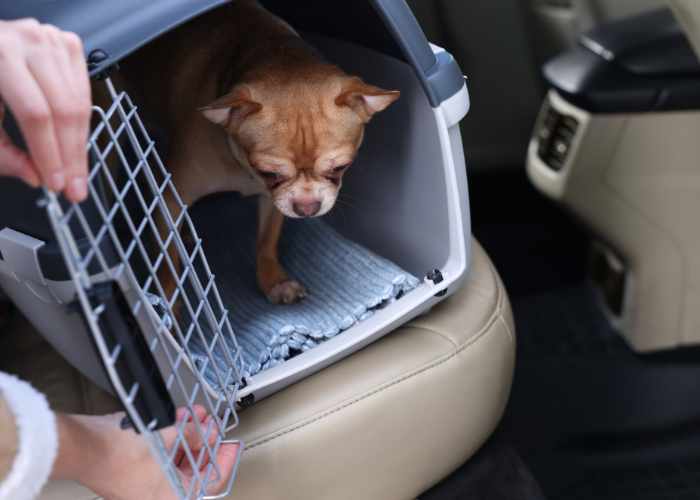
[268, 175]
[340, 168]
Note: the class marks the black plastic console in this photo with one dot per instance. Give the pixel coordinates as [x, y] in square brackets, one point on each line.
[636, 64]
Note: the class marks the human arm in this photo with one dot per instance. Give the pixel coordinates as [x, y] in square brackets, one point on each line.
[91, 450]
[118, 465]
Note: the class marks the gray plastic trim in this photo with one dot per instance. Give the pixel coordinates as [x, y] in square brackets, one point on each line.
[439, 74]
[20, 254]
[445, 78]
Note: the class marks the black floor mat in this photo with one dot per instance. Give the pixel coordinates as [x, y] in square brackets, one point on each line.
[677, 479]
[661, 464]
[565, 322]
[593, 420]
[495, 472]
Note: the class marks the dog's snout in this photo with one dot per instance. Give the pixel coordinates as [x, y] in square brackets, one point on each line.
[306, 209]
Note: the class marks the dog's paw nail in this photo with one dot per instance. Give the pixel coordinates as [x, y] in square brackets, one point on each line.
[288, 292]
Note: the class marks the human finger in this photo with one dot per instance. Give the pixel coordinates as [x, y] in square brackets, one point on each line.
[71, 63]
[77, 56]
[200, 442]
[189, 431]
[199, 410]
[48, 61]
[226, 461]
[33, 115]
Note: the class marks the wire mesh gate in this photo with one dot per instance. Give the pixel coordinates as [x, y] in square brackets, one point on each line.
[154, 347]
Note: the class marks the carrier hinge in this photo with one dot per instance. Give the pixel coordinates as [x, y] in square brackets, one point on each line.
[95, 60]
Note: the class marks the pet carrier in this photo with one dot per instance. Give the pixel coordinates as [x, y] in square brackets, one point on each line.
[85, 275]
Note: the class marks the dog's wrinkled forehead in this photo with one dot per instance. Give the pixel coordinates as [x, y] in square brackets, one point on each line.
[302, 136]
[301, 120]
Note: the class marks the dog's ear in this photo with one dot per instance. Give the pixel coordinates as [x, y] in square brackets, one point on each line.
[365, 99]
[231, 110]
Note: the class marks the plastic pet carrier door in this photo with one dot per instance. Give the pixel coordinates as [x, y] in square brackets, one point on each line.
[142, 341]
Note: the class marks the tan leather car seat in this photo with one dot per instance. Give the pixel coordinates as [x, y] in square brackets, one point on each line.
[389, 421]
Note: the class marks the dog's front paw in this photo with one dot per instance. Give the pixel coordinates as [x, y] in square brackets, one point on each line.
[287, 292]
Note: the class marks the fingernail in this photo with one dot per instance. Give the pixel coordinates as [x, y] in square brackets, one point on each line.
[32, 179]
[58, 181]
[79, 188]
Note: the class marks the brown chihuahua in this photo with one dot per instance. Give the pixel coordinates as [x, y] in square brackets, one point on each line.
[248, 106]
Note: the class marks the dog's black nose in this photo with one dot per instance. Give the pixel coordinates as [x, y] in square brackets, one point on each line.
[306, 209]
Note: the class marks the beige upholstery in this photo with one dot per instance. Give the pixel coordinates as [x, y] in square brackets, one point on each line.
[395, 418]
[391, 420]
[634, 179]
[67, 490]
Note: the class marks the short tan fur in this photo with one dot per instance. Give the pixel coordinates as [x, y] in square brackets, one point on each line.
[250, 107]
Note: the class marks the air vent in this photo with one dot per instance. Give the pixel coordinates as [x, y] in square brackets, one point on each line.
[555, 138]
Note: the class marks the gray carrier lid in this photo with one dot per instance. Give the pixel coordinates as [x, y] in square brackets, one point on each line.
[120, 27]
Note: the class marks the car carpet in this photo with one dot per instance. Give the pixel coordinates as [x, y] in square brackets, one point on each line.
[495, 472]
[592, 419]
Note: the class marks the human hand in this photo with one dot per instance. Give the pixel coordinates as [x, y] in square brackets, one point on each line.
[44, 82]
[118, 464]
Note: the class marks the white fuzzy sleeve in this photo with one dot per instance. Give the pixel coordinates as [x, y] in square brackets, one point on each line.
[37, 440]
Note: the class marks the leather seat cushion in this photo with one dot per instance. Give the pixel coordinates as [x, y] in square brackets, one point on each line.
[367, 427]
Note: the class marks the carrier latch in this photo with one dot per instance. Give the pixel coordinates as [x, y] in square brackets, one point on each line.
[436, 277]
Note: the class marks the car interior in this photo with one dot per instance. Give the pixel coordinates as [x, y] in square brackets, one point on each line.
[566, 366]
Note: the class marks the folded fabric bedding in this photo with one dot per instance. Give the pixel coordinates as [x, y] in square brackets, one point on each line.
[346, 283]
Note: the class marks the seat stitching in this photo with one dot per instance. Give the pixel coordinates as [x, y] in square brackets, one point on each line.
[499, 303]
[508, 331]
[447, 357]
[501, 306]
[377, 390]
[411, 327]
[497, 311]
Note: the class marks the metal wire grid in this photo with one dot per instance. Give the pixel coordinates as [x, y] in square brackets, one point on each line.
[129, 128]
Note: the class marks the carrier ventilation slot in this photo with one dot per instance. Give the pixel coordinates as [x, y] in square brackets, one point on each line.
[555, 138]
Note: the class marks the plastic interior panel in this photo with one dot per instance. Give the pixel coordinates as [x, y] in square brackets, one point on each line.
[131, 318]
[402, 206]
[393, 198]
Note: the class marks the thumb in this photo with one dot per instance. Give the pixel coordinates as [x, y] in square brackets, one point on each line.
[16, 163]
